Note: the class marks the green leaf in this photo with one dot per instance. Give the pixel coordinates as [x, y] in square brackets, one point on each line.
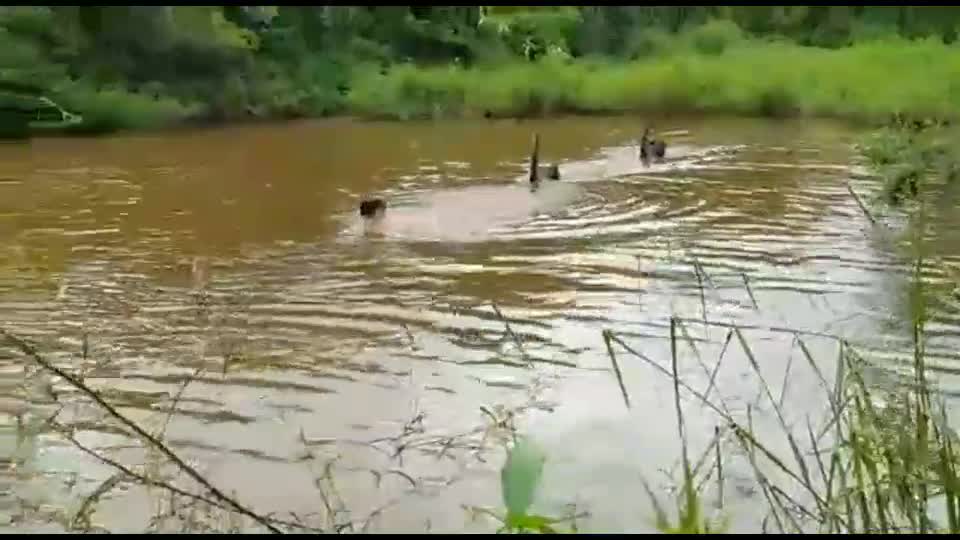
[530, 523]
[520, 477]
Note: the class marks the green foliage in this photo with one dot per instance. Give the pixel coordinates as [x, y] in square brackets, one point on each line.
[532, 32]
[519, 481]
[105, 110]
[690, 518]
[231, 62]
[520, 476]
[911, 154]
[648, 42]
[853, 82]
[715, 36]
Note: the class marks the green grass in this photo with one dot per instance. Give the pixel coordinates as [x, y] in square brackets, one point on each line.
[909, 158]
[711, 69]
[108, 110]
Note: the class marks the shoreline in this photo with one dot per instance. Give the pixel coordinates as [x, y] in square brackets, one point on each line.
[194, 126]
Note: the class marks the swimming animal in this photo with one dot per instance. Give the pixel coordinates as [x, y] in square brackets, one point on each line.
[651, 147]
[551, 172]
[372, 207]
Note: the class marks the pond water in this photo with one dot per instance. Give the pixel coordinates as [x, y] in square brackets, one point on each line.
[235, 258]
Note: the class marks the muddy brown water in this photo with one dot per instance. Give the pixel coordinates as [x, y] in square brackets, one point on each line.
[239, 252]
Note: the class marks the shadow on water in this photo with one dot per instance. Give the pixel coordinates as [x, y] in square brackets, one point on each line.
[240, 251]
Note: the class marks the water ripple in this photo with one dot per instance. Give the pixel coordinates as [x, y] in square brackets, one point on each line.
[118, 264]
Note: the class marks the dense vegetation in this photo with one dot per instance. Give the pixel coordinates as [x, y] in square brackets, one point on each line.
[147, 66]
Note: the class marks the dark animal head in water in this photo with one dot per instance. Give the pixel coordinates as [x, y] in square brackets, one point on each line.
[371, 207]
[651, 147]
[552, 172]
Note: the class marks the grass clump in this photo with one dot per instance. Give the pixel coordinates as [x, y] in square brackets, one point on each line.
[913, 154]
[237, 62]
[108, 110]
[712, 68]
[715, 36]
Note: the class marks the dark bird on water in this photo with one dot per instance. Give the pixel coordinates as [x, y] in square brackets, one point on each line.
[651, 147]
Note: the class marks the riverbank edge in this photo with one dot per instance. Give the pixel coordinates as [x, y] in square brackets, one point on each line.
[203, 124]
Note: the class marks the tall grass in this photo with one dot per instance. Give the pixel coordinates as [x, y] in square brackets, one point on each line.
[711, 70]
[912, 156]
[106, 110]
[884, 461]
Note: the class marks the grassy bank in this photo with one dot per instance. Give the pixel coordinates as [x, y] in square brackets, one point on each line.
[866, 82]
[720, 73]
[143, 67]
[714, 67]
[912, 158]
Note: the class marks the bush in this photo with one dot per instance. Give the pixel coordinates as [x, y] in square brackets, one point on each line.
[863, 32]
[109, 110]
[715, 36]
[854, 83]
[648, 42]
